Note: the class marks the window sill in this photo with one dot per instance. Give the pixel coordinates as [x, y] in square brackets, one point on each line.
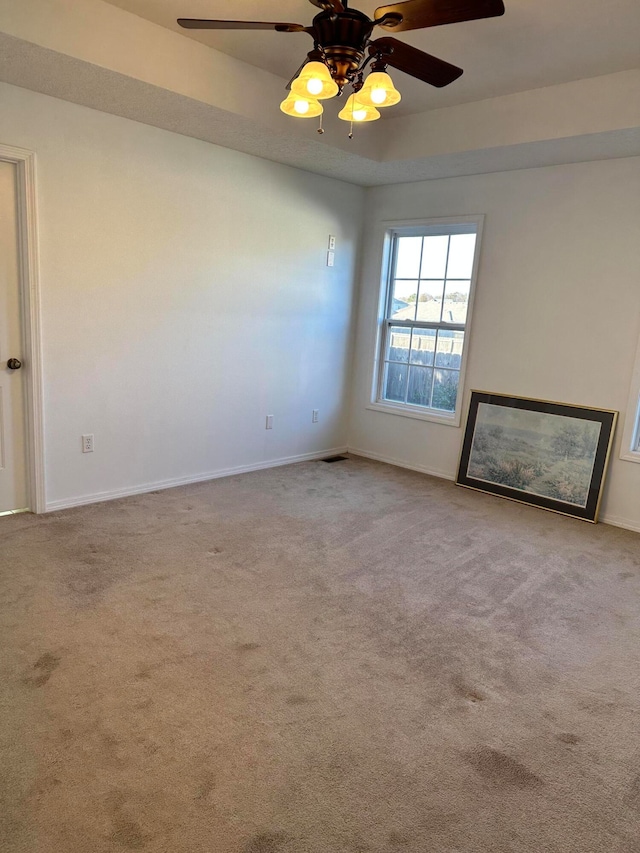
[630, 455]
[446, 418]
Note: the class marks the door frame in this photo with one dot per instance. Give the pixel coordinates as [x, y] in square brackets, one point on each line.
[28, 270]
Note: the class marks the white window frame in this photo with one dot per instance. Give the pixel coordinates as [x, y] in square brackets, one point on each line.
[630, 445]
[418, 228]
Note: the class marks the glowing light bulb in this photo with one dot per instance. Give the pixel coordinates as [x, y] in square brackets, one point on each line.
[378, 95]
[353, 110]
[315, 81]
[314, 86]
[300, 106]
[379, 91]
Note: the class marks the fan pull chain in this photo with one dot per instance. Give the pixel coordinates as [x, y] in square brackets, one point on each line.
[351, 131]
[320, 127]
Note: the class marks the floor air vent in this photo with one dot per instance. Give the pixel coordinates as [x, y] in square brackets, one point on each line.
[335, 458]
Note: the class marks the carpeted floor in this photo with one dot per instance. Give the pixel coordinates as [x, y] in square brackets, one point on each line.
[323, 658]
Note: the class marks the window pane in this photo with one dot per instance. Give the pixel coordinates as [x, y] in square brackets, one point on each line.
[430, 300]
[456, 302]
[429, 309]
[395, 384]
[423, 345]
[399, 343]
[403, 302]
[635, 438]
[445, 390]
[420, 379]
[408, 257]
[434, 257]
[449, 349]
[461, 255]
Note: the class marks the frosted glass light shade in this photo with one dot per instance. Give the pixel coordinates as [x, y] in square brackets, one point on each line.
[379, 91]
[315, 81]
[354, 110]
[300, 107]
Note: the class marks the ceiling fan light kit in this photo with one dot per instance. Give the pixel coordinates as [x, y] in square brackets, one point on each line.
[355, 110]
[299, 106]
[315, 81]
[342, 40]
[379, 91]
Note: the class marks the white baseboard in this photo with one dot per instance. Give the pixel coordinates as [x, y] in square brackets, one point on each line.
[358, 451]
[618, 521]
[99, 497]
[614, 520]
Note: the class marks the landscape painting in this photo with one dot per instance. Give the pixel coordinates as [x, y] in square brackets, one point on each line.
[552, 455]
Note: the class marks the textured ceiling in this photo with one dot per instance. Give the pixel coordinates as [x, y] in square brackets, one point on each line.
[536, 43]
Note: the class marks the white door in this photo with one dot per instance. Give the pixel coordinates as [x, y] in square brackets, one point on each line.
[13, 445]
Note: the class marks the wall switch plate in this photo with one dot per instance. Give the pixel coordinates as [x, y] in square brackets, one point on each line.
[269, 423]
[331, 257]
[87, 443]
[314, 416]
[332, 242]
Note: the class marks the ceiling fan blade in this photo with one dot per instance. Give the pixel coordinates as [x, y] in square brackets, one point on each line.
[417, 14]
[329, 5]
[415, 62]
[204, 24]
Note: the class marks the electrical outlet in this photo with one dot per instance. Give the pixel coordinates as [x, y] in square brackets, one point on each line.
[332, 242]
[331, 257]
[87, 443]
[269, 423]
[314, 416]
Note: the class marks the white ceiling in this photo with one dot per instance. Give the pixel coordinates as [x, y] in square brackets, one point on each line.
[548, 83]
[537, 43]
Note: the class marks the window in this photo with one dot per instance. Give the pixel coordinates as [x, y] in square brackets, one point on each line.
[635, 443]
[429, 284]
[630, 447]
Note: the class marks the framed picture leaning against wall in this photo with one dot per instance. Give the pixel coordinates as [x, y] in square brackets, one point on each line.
[551, 455]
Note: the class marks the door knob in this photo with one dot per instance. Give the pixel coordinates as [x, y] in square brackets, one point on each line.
[14, 364]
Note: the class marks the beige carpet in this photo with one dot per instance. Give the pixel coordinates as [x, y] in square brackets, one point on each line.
[324, 658]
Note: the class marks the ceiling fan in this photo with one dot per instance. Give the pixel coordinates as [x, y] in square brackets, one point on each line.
[342, 39]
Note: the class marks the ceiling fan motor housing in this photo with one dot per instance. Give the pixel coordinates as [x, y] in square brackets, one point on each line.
[343, 38]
